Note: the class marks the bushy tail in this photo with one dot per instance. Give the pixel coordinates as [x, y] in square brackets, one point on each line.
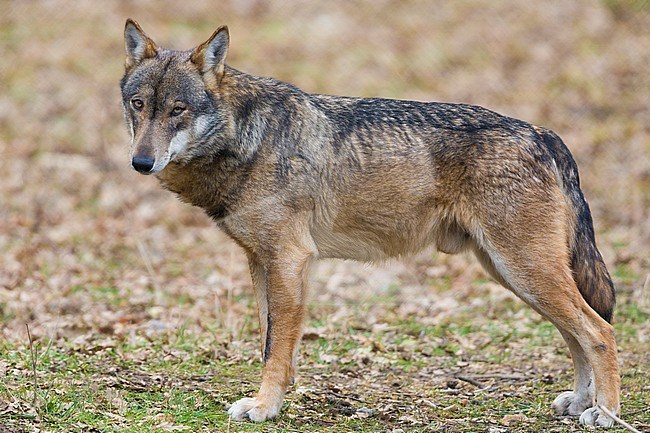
[589, 271]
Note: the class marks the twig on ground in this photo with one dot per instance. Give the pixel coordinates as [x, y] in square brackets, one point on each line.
[498, 376]
[617, 419]
[345, 396]
[31, 349]
[472, 381]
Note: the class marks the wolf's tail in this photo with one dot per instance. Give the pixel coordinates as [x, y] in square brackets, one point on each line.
[589, 271]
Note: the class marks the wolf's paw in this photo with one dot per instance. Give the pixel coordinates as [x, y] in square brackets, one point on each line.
[596, 417]
[251, 408]
[571, 403]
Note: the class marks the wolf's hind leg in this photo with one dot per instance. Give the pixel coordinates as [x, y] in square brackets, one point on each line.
[543, 280]
[569, 402]
[575, 402]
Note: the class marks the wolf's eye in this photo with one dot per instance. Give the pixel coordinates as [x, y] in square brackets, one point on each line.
[177, 110]
[137, 104]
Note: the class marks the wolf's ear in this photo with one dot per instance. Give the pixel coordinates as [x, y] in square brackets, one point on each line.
[138, 45]
[210, 56]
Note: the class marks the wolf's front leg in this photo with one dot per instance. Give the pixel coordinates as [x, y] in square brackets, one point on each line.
[280, 285]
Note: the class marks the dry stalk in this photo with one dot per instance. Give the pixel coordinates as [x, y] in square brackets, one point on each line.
[31, 349]
[148, 263]
[617, 419]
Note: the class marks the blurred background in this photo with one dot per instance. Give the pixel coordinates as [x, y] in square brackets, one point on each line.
[89, 247]
[104, 264]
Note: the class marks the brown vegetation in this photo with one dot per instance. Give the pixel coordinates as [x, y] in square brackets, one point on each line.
[93, 254]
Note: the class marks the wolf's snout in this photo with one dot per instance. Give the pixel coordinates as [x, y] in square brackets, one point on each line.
[142, 164]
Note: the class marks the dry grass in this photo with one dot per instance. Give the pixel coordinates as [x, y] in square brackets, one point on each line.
[116, 278]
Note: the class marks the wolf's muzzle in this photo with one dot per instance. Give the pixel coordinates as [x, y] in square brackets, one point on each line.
[142, 164]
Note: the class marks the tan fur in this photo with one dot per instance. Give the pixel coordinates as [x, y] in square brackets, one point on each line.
[293, 177]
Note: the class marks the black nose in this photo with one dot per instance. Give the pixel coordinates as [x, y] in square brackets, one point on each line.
[142, 164]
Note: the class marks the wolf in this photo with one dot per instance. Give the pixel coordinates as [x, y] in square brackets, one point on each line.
[293, 177]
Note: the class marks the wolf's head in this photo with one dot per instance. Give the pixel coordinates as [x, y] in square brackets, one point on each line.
[171, 99]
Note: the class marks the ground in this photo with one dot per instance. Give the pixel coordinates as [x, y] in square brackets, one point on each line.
[141, 315]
